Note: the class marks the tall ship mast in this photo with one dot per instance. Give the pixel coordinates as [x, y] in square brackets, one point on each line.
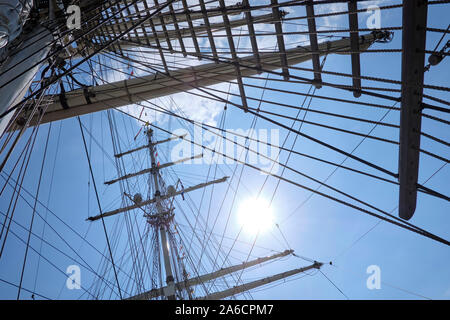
[205, 150]
[159, 212]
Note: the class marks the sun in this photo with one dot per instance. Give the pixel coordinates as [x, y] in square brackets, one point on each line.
[255, 215]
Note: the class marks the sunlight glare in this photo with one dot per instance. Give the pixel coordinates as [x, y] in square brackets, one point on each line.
[255, 215]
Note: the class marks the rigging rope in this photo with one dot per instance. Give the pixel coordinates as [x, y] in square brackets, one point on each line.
[100, 208]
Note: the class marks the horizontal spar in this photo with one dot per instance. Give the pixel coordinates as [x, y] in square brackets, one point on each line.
[120, 155]
[202, 29]
[155, 293]
[150, 201]
[258, 283]
[168, 19]
[149, 170]
[121, 93]
[145, 39]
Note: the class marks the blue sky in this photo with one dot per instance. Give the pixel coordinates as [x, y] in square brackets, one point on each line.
[320, 229]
